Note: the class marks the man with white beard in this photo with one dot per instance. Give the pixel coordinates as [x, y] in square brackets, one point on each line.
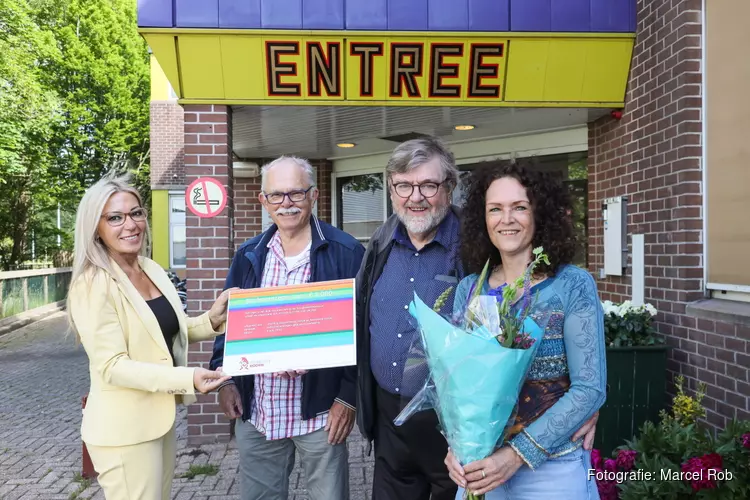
[415, 250]
[310, 412]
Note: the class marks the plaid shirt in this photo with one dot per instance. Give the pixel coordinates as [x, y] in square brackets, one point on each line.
[277, 411]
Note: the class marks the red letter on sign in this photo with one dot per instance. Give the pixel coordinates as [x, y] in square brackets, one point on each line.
[324, 69]
[440, 69]
[478, 69]
[403, 70]
[276, 69]
[366, 53]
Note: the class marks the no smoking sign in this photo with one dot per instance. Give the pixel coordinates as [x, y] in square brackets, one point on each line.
[206, 197]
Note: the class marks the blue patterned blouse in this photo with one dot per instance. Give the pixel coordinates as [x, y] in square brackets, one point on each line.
[567, 380]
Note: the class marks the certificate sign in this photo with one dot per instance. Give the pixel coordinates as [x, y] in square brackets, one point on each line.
[294, 327]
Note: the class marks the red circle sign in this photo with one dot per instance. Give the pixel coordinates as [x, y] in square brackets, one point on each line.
[206, 197]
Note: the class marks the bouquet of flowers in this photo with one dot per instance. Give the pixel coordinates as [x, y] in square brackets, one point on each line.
[478, 361]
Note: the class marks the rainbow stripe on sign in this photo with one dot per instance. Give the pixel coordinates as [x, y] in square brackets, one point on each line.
[288, 343]
[291, 326]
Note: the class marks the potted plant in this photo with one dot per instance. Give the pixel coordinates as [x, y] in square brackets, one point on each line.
[636, 372]
[677, 458]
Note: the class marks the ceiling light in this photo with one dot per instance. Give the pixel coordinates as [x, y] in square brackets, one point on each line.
[346, 144]
[464, 127]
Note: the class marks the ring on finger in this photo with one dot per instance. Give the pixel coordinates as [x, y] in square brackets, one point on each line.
[484, 476]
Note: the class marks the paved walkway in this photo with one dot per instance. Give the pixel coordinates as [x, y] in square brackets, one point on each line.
[43, 375]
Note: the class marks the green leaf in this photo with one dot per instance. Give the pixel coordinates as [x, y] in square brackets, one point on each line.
[74, 104]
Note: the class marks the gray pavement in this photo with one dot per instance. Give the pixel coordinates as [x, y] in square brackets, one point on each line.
[43, 375]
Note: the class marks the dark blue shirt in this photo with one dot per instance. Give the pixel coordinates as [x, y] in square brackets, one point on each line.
[393, 335]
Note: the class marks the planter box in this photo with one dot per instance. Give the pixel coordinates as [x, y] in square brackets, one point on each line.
[636, 392]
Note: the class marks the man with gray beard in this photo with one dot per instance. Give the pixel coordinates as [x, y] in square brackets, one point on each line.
[312, 412]
[414, 251]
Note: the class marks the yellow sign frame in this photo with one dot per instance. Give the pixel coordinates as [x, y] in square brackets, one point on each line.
[324, 68]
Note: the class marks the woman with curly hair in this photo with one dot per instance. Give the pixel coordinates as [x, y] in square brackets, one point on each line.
[510, 210]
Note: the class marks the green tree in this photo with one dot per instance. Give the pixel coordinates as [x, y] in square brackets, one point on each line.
[74, 95]
[29, 111]
[102, 75]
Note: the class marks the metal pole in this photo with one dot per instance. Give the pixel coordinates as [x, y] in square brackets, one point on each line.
[58, 225]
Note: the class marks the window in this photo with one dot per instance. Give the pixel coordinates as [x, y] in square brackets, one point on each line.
[177, 235]
[360, 204]
[727, 176]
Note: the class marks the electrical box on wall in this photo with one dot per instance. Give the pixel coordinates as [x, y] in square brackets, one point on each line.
[615, 215]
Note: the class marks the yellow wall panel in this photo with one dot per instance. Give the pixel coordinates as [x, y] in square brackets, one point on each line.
[566, 64]
[159, 81]
[560, 70]
[163, 47]
[527, 70]
[607, 69]
[242, 63]
[160, 227]
[201, 66]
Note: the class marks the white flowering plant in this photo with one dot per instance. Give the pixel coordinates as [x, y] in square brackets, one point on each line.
[628, 324]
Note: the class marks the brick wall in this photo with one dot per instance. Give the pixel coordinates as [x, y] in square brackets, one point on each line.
[248, 211]
[653, 156]
[167, 140]
[324, 170]
[207, 134]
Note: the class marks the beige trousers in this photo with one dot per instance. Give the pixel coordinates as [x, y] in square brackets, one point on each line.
[142, 471]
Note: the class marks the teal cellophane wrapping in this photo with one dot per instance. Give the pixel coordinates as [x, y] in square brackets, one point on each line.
[474, 381]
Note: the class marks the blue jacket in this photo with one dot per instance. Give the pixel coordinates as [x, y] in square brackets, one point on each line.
[334, 255]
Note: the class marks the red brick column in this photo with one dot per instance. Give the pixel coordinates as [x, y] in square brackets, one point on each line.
[325, 198]
[208, 139]
[653, 155]
[248, 211]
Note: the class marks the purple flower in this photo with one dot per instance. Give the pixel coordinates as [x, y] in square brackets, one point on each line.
[610, 465]
[626, 459]
[746, 440]
[703, 464]
[596, 460]
[607, 490]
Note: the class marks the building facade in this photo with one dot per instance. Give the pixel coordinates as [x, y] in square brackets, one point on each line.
[635, 104]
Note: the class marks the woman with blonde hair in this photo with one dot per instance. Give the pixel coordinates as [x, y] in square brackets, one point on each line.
[129, 319]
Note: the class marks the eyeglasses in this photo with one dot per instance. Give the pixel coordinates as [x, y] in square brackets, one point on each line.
[294, 196]
[116, 219]
[426, 189]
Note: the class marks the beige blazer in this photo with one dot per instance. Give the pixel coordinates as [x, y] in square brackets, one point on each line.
[134, 387]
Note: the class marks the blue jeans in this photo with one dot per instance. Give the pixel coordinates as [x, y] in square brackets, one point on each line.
[561, 478]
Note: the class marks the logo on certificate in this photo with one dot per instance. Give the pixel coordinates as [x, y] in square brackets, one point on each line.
[244, 363]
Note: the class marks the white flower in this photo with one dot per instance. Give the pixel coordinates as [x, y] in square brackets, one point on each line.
[625, 308]
[610, 307]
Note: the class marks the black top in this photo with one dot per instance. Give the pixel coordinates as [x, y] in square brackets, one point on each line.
[167, 319]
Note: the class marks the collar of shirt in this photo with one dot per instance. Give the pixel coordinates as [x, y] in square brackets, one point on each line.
[446, 236]
[278, 250]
